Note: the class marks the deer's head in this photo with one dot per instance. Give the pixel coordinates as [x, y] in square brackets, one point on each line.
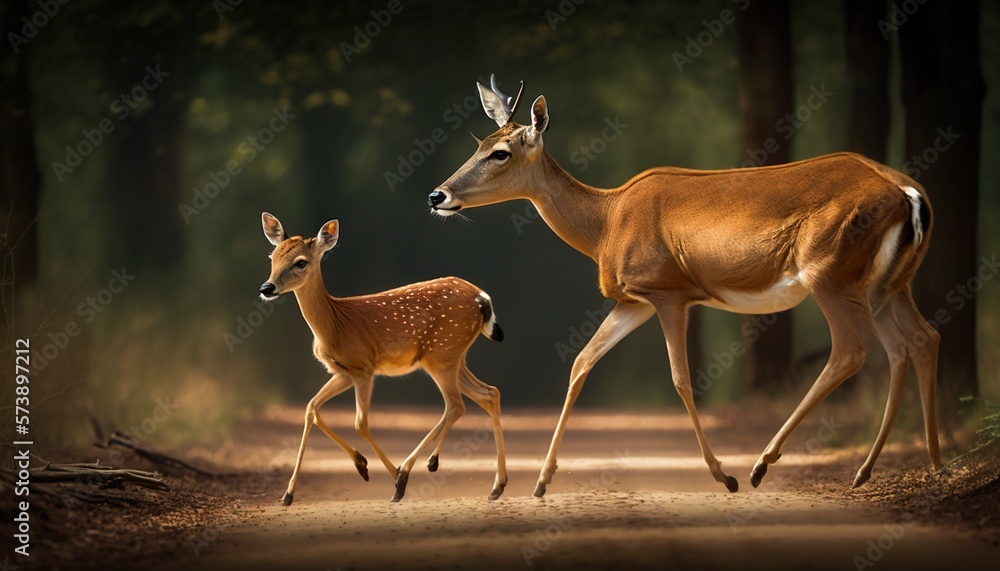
[502, 166]
[294, 260]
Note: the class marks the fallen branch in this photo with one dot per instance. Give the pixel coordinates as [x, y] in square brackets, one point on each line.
[123, 440]
[95, 473]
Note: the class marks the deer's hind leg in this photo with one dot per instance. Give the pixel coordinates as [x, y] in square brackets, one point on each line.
[454, 408]
[488, 398]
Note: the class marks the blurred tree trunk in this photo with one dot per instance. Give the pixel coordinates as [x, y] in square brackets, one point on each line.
[147, 167]
[765, 75]
[320, 163]
[943, 90]
[868, 70]
[20, 179]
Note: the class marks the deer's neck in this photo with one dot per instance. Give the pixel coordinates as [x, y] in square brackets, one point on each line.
[577, 213]
[318, 309]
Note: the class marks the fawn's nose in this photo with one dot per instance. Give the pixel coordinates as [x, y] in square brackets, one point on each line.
[267, 289]
[435, 198]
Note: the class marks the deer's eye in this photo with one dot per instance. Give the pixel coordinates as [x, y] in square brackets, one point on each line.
[500, 155]
[301, 264]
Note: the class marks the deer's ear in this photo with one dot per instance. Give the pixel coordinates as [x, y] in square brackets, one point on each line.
[539, 121]
[328, 236]
[492, 104]
[273, 231]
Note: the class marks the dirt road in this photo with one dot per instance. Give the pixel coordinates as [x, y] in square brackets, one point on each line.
[631, 492]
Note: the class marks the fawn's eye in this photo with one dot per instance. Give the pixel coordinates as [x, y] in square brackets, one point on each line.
[301, 264]
[500, 155]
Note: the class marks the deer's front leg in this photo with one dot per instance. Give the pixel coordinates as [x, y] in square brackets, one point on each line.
[673, 321]
[336, 385]
[622, 320]
[363, 394]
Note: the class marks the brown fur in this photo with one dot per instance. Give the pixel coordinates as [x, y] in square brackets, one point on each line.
[428, 325]
[672, 237]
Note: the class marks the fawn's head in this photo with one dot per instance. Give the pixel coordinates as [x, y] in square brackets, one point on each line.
[501, 168]
[294, 259]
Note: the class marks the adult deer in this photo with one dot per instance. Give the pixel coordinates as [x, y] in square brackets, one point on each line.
[755, 240]
[428, 325]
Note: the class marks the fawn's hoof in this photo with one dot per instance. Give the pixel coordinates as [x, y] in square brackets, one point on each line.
[286, 500]
[401, 479]
[432, 463]
[496, 493]
[731, 484]
[361, 463]
[539, 490]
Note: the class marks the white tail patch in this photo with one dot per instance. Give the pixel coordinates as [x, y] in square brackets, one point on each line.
[491, 323]
[918, 230]
[887, 251]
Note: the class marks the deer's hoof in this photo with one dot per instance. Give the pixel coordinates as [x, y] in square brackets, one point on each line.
[861, 478]
[286, 500]
[731, 484]
[361, 463]
[757, 474]
[496, 493]
[400, 486]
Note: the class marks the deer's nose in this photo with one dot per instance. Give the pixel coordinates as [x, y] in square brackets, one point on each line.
[435, 198]
[267, 289]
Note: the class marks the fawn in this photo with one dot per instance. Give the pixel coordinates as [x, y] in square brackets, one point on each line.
[428, 325]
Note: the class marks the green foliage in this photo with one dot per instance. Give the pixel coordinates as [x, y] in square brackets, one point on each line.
[990, 429]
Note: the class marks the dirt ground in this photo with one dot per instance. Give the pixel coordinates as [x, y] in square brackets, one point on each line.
[631, 492]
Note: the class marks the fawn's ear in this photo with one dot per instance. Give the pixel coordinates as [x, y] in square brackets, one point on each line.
[328, 235]
[272, 229]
